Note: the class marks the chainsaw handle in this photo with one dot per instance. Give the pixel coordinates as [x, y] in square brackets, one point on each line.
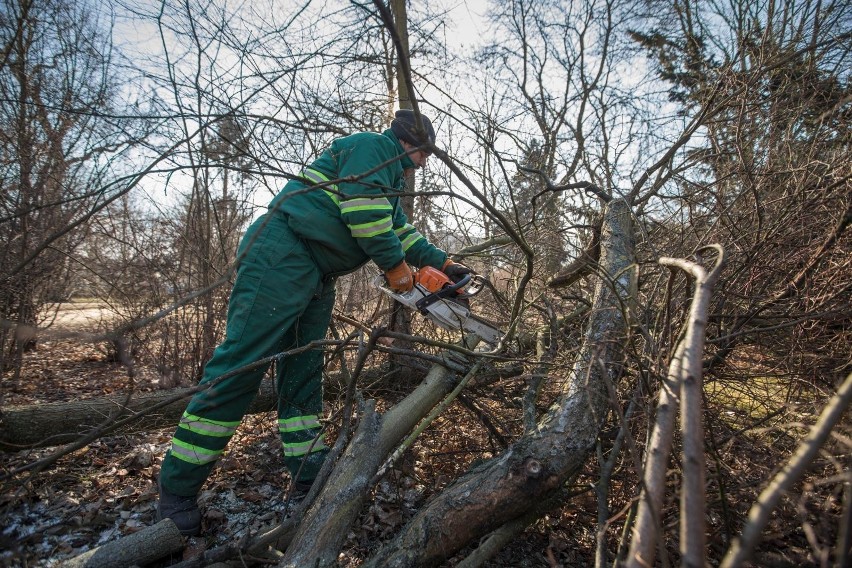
[457, 285]
[477, 283]
[449, 291]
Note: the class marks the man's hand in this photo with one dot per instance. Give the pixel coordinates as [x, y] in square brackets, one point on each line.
[455, 271]
[400, 278]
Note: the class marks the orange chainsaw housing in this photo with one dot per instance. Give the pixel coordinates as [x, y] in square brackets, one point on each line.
[432, 279]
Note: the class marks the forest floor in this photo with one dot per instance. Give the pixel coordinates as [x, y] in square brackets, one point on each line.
[108, 489]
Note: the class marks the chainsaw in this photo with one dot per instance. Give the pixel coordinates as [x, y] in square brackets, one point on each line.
[444, 302]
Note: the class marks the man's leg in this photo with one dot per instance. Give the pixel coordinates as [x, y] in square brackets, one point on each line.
[300, 391]
[274, 284]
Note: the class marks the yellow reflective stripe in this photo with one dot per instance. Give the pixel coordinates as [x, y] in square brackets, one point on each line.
[193, 454]
[410, 240]
[404, 229]
[207, 427]
[372, 229]
[227, 423]
[302, 448]
[298, 423]
[365, 204]
[314, 175]
[319, 177]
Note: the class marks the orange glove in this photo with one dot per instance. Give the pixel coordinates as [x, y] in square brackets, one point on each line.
[454, 270]
[400, 279]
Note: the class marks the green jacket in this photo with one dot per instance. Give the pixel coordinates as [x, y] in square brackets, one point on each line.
[359, 219]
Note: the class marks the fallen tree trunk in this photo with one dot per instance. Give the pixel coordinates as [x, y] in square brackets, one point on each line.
[508, 486]
[53, 424]
[137, 549]
[323, 530]
[41, 425]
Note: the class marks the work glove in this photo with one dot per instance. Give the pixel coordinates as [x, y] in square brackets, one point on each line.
[400, 279]
[455, 271]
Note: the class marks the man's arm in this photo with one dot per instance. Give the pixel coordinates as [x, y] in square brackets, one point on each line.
[418, 251]
[364, 205]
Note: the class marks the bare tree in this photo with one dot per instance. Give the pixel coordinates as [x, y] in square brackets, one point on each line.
[57, 94]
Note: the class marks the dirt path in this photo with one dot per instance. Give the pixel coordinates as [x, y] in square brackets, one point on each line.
[83, 315]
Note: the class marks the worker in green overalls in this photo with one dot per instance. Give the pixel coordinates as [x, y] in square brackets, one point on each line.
[313, 232]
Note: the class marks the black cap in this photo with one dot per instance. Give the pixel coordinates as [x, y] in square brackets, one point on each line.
[404, 125]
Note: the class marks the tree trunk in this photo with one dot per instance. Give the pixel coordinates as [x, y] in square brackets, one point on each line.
[681, 385]
[43, 425]
[137, 549]
[325, 526]
[38, 426]
[508, 486]
[400, 320]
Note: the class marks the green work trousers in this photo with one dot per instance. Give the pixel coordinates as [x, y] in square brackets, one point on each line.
[280, 301]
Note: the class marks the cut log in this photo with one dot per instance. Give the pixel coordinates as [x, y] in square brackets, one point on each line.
[41, 425]
[137, 549]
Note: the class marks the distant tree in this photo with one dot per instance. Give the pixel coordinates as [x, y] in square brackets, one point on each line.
[57, 137]
[772, 173]
[769, 179]
[537, 211]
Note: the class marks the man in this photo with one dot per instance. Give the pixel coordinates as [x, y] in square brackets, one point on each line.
[283, 297]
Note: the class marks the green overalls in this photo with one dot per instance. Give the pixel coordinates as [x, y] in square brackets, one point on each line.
[283, 298]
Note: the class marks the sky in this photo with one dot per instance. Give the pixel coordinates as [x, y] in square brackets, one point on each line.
[469, 18]
[467, 28]
[141, 37]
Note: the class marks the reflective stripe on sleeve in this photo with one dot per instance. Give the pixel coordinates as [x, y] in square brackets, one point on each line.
[408, 241]
[365, 204]
[365, 230]
[319, 177]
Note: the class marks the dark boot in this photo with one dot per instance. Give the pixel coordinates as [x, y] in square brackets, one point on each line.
[296, 493]
[302, 487]
[183, 511]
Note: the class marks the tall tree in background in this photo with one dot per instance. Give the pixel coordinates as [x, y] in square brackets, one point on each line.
[56, 139]
[537, 211]
[773, 174]
[400, 320]
[213, 184]
[552, 67]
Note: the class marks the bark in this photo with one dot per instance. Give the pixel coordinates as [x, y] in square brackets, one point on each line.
[693, 497]
[137, 549]
[400, 320]
[323, 530]
[509, 486]
[582, 266]
[42, 425]
[683, 382]
[648, 524]
[320, 535]
[53, 424]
